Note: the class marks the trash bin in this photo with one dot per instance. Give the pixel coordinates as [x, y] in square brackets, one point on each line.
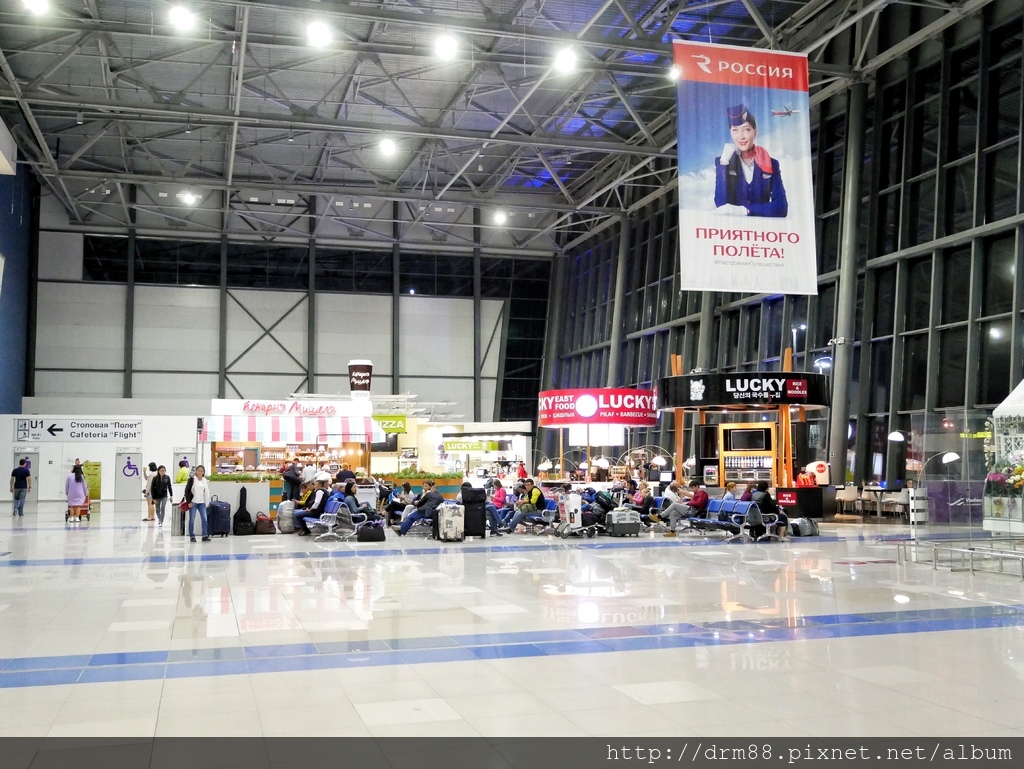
[177, 521]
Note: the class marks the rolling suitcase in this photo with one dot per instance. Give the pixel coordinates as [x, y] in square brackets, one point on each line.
[804, 527]
[622, 523]
[475, 516]
[450, 523]
[219, 515]
[286, 517]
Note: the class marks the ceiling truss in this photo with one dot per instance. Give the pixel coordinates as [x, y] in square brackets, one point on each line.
[278, 141]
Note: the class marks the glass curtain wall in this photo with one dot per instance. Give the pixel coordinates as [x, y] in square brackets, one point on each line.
[940, 256]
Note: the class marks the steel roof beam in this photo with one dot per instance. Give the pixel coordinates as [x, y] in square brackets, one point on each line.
[154, 112]
[511, 200]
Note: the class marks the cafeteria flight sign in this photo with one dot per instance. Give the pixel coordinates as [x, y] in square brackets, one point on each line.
[746, 200]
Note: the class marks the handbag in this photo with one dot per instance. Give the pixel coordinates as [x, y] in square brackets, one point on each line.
[183, 505]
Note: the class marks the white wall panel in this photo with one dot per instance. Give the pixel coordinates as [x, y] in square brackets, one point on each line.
[266, 386]
[490, 313]
[80, 326]
[352, 327]
[60, 255]
[331, 385]
[176, 327]
[458, 391]
[51, 383]
[436, 336]
[268, 307]
[174, 385]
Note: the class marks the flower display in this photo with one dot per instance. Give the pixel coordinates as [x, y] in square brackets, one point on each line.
[1005, 481]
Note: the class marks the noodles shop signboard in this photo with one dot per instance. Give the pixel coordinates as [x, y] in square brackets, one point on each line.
[597, 406]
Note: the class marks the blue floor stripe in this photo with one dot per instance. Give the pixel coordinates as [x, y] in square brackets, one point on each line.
[541, 545]
[137, 666]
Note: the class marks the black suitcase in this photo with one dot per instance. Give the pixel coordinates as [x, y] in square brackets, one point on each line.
[475, 521]
[219, 518]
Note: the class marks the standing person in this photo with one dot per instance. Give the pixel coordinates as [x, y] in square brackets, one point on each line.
[149, 473]
[748, 181]
[521, 471]
[77, 492]
[292, 477]
[183, 473]
[160, 492]
[345, 474]
[197, 494]
[21, 485]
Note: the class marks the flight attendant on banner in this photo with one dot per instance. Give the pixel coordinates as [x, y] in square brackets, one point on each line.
[747, 179]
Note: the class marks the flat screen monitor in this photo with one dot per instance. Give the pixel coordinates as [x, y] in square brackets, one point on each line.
[666, 476]
[387, 446]
[747, 440]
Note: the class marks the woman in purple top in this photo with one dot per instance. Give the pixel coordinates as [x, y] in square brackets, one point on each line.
[748, 495]
[77, 493]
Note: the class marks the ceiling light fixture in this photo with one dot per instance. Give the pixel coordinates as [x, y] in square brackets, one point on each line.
[675, 72]
[188, 198]
[188, 126]
[36, 7]
[565, 61]
[182, 19]
[291, 136]
[318, 34]
[446, 47]
[79, 118]
[387, 147]
[500, 217]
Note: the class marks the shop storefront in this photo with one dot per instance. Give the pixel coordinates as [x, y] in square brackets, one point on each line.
[254, 435]
[753, 427]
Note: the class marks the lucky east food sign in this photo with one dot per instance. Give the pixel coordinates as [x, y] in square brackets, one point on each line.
[597, 406]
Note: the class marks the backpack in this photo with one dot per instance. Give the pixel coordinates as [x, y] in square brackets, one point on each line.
[264, 525]
[242, 524]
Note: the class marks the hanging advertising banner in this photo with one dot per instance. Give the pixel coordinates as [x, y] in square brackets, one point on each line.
[597, 406]
[746, 200]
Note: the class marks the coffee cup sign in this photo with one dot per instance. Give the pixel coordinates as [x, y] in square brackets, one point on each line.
[360, 374]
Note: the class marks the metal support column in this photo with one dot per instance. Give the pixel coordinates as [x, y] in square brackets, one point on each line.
[621, 270]
[311, 302]
[477, 319]
[707, 327]
[842, 362]
[396, 290]
[129, 299]
[222, 365]
[557, 300]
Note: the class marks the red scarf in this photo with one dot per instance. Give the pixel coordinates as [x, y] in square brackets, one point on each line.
[763, 159]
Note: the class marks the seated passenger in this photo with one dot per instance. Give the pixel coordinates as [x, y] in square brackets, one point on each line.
[767, 505]
[530, 503]
[354, 505]
[313, 507]
[748, 495]
[698, 500]
[678, 509]
[400, 497]
[730, 492]
[424, 508]
[495, 507]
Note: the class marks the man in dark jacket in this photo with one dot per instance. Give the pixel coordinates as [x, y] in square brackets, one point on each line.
[292, 478]
[314, 505]
[424, 507]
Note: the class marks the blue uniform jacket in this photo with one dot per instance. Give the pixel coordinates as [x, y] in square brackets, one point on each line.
[764, 196]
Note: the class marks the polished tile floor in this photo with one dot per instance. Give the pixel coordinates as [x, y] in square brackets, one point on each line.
[113, 628]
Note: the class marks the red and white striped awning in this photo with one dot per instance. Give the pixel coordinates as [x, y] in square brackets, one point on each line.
[291, 429]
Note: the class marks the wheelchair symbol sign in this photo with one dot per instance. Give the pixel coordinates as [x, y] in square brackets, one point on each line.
[129, 470]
